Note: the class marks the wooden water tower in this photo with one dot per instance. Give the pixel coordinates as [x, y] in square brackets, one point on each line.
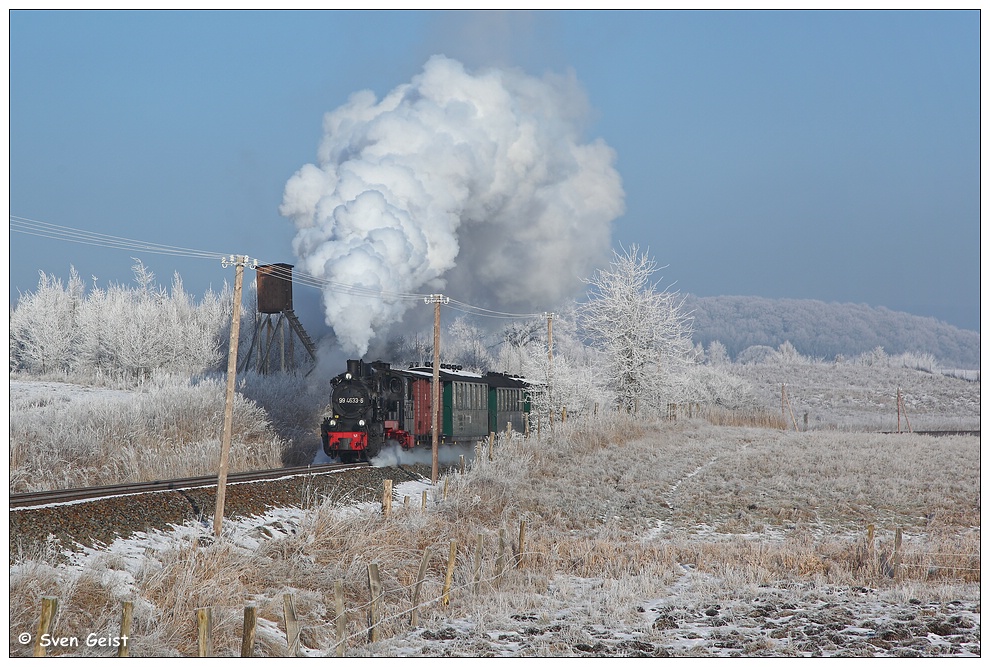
[277, 326]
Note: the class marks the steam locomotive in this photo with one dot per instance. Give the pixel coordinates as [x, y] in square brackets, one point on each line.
[373, 405]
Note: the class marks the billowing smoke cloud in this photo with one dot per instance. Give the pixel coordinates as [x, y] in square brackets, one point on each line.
[475, 185]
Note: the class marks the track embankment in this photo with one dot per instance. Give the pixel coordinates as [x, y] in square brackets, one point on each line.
[70, 523]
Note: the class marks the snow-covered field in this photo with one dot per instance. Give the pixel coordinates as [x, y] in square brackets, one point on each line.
[658, 539]
[692, 613]
[852, 396]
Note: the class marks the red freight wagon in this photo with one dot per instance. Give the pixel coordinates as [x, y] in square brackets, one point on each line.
[422, 392]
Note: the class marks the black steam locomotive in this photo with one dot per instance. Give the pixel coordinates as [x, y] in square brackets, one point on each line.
[373, 405]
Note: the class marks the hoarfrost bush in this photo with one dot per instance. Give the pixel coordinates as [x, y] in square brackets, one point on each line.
[295, 406]
[788, 354]
[171, 427]
[919, 361]
[756, 354]
[875, 357]
[713, 386]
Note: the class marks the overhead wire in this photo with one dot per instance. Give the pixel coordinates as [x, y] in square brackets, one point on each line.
[485, 312]
[63, 233]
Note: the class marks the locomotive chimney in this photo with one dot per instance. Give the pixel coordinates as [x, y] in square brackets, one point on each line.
[354, 367]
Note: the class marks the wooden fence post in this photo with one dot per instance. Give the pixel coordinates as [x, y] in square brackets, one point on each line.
[291, 624]
[375, 608]
[477, 563]
[901, 407]
[462, 464]
[869, 562]
[204, 627]
[338, 595]
[500, 560]
[387, 498]
[420, 578]
[895, 559]
[449, 578]
[49, 607]
[126, 616]
[424, 499]
[522, 542]
[247, 634]
[491, 446]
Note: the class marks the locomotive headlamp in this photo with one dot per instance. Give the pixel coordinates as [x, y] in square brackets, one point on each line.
[333, 422]
[360, 422]
[347, 376]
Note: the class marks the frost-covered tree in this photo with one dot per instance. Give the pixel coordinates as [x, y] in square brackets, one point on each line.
[43, 326]
[788, 354]
[567, 379]
[643, 330]
[576, 387]
[520, 340]
[465, 344]
[717, 355]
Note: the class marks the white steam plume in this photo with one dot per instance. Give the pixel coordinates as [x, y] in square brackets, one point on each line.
[476, 181]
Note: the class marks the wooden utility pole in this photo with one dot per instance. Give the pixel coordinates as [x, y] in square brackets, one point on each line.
[228, 412]
[898, 409]
[551, 409]
[436, 300]
[549, 317]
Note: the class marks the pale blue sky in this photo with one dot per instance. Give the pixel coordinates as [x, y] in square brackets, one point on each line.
[820, 155]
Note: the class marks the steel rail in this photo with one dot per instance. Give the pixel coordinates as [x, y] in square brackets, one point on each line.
[934, 434]
[35, 498]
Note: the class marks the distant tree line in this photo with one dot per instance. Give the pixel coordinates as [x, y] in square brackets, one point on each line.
[630, 344]
[826, 331]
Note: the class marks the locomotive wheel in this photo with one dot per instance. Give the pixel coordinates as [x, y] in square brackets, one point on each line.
[371, 451]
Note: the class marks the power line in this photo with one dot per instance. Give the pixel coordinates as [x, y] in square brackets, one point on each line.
[484, 312]
[62, 233]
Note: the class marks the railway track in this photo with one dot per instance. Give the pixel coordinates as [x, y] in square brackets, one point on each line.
[936, 434]
[36, 498]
